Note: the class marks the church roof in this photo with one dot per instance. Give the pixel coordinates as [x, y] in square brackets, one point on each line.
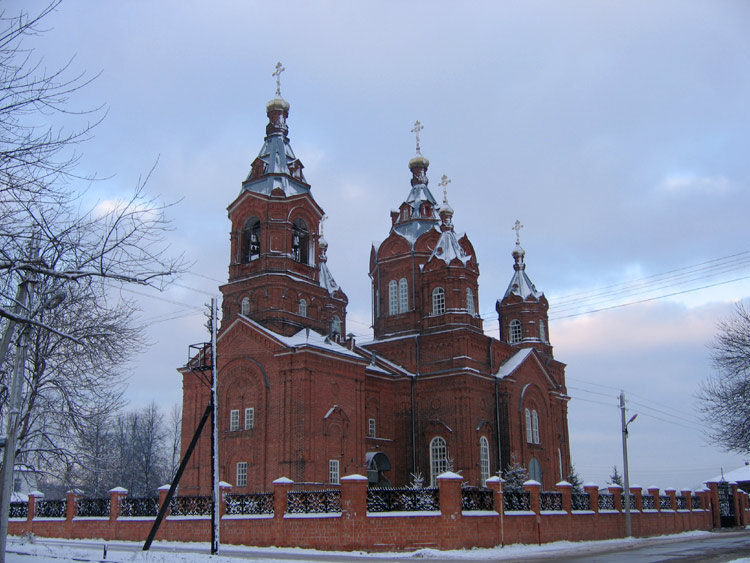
[520, 284]
[512, 363]
[447, 248]
[739, 475]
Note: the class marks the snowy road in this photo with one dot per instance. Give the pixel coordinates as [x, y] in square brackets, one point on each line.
[687, 548]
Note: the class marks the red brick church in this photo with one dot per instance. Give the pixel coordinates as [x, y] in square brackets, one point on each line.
[298, 398]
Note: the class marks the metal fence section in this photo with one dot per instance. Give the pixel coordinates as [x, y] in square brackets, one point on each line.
[665, 502]
[190, 506]
[580, 501]
[313, 502]
[550, 501]
[146, 506]
[477, 498]
[606, 501]
[18, 510]
[517, 501]
[92, 507]
[259, 503]
[404, 500]
[681, 502]
[695, 502]
[50, 508]
[647, 502]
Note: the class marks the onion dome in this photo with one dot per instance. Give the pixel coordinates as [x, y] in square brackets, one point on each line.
[520, 284]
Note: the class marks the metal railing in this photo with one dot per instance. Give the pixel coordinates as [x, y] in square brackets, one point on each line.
[403, 499]
[259, 503]
[135, 506]
[550, 501]
[92, 507]
[477, 498]
[517, 501]
[313, 502]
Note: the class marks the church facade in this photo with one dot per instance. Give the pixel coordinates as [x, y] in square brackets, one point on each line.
[429, 393]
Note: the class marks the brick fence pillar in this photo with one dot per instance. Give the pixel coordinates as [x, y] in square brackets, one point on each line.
[115, 502]
[592, 489]
[655, 493]
[449, 485]
[224, 489]
[714, 497]
[687, 493]
[535, 490]
[71, 507]
[163, 490]
[354, 496]
[672, 494]
[281, 487]
[495, 485]
[566, 490]
[616, 491]
[736, 501]
[34, 497]
[637, 493]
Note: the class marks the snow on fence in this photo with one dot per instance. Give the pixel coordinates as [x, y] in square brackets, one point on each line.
[353, 516]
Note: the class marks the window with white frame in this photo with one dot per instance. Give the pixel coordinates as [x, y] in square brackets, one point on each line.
[529, 434]
[333, 471]
[371, 428]
[438, 459]
[393, 297]
[515, 331]
[249, 418]
[484, 460]
[234, 419]
[403, 296]
[470, 301]
[302, 308]
[241, 474]
[245, 306]
[535, 426]
[335, 327]
[542, 332]
[438, 301]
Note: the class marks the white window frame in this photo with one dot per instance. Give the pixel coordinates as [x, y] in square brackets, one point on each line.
[515, 334]
[249, 418]
[542, 331]
[334, 472]
[234, 420]
[438, 301]
[393, 297]
[438, 459]
[470, 302]
[484, 460]
[245, 306]
[535, 426]
[302, 308]
[403, 295]
[241, 480]
[371, 428]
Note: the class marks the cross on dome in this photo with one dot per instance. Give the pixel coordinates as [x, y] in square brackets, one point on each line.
[277, 74]
[517, 227]
[444, 181]
[417, 128]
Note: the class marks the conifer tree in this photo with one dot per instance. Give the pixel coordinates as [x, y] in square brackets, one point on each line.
[515, 476]
[615, 478]
[575, 480]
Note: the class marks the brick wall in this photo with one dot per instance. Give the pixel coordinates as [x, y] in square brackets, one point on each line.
[354, 527]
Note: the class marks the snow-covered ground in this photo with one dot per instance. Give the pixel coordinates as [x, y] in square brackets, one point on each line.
[43, 550]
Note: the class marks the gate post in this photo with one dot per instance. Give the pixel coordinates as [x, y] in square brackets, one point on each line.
[715, 510]
[736, 504]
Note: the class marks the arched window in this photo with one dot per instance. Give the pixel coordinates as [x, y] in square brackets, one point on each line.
[245, 306]
[515, 331]
[542, 332]
[438, 459]
[529, 433]
[251, 240]
[302, 308]
[438, 301]
[335, 327]
[484, 460]
[392, 297]
[300, 241]
[535, 426]
[470, 301]
[535, 470]
[403, 296]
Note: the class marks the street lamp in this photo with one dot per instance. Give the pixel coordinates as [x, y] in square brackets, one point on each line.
[628, 531]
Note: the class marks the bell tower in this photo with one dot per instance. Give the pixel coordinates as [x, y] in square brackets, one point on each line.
[278, 272]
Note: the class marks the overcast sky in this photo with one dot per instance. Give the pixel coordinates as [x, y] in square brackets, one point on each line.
[617, 132]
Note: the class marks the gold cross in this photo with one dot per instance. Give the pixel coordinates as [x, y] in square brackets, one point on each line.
[444, 181]
[277, 74]
[417, 128]
[517, 227]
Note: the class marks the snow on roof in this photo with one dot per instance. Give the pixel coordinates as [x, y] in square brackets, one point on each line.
[521, 285]
[513, 362]
[447, 249]
[738, 475]
[281, 169]
[412, 230]
[310, 338]
[326, 279]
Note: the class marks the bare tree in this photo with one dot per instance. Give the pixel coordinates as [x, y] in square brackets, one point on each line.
[174, 435]
[725, 397]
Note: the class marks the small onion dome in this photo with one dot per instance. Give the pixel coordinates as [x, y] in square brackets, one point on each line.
[446, 210]
[518, 255]
[322, 243]
[277, 104]
[418, 162]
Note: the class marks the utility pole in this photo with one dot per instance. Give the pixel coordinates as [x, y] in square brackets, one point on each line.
[215, 512]
[23, 305]
[628, 530]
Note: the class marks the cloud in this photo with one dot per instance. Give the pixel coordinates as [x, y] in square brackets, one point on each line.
[675, 184]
